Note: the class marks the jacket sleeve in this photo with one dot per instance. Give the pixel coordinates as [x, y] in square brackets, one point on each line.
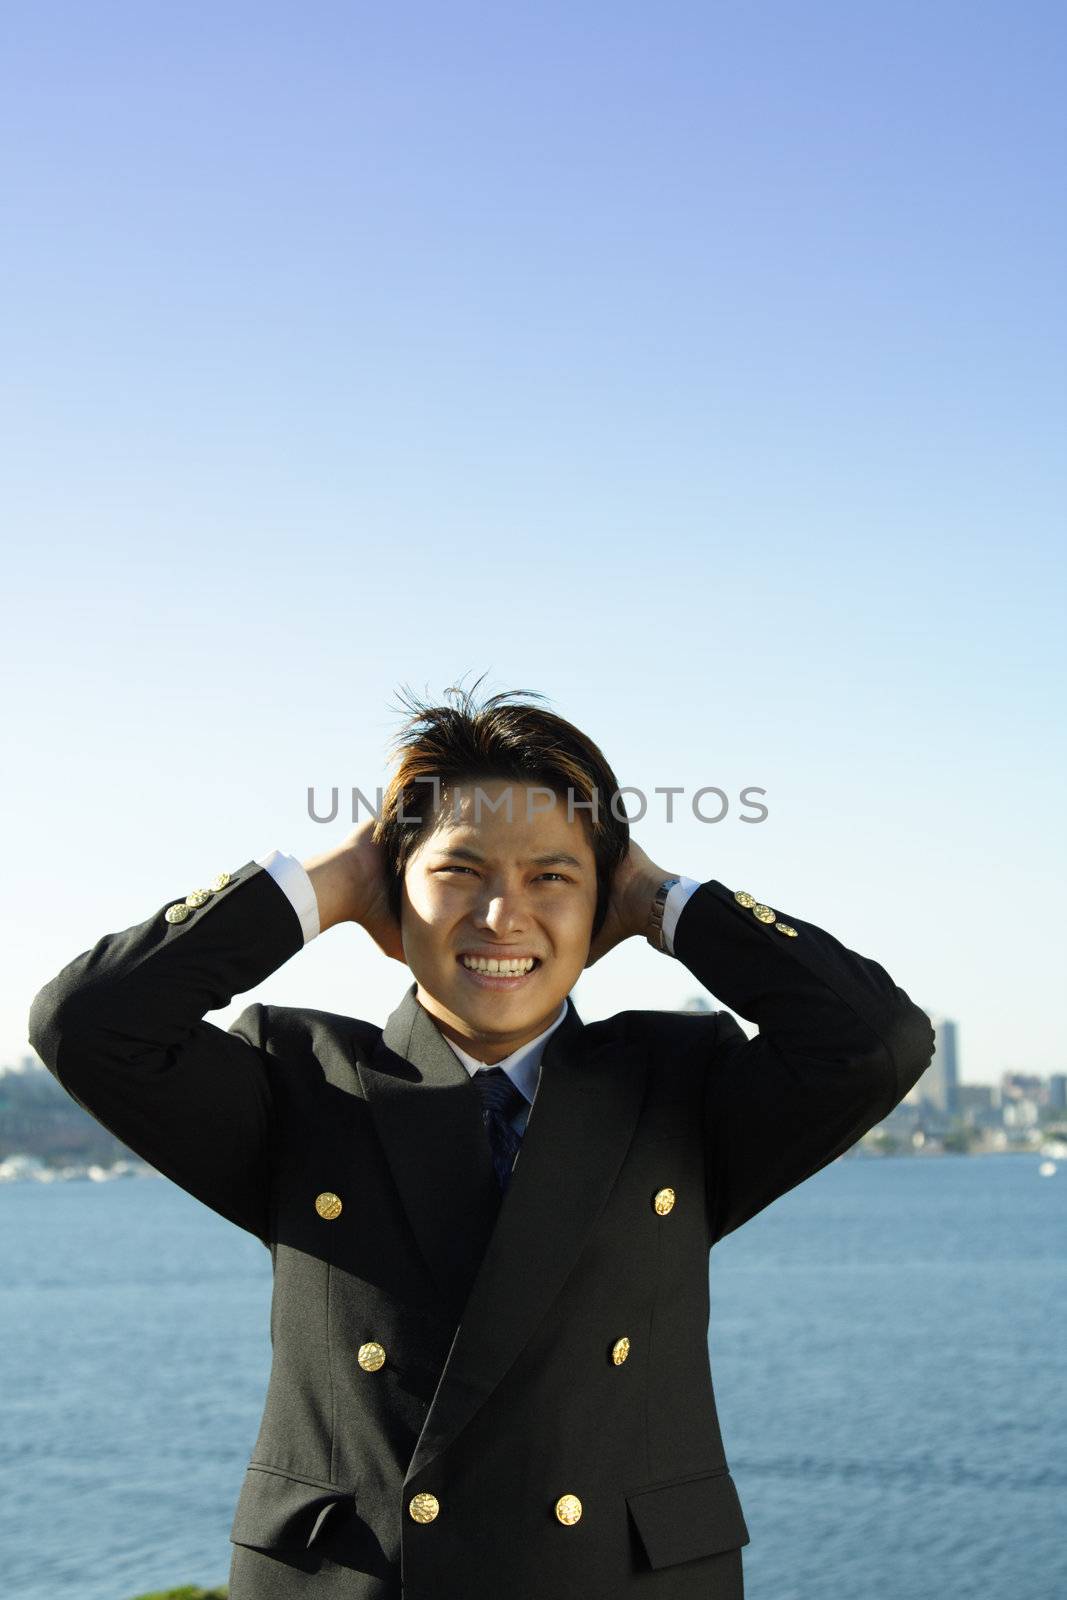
[839, 1045]
[121, 1029]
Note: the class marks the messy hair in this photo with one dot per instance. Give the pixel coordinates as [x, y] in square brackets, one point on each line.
[505, 737]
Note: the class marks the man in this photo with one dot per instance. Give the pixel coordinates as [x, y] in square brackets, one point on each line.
[490, 1372]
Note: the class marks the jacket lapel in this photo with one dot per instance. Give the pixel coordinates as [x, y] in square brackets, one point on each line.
[428, 1117]
[499, 1264]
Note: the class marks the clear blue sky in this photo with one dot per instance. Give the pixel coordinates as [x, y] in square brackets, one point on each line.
[699, 365]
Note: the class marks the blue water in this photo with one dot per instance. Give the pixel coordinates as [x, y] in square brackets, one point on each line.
[887, 1347]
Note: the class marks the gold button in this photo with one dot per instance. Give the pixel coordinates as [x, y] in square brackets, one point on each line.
[783, 927]
[764, 913]
[371, 1356]
[664, 1201]
[328, 1205]
[424, 1507]
[619, 1351]
[568, 1509]
[177, 913]
[743, 898]
[220, 881]
[199, 897]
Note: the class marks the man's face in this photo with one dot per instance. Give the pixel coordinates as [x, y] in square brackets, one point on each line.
[486, 886]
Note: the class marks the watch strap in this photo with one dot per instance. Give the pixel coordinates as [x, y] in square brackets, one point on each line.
[654, 933]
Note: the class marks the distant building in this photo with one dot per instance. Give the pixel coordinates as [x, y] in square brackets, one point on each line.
[1021, 1114]
[939, 1084]
[1017, 1086]
[979, 1105]
[974, 1097]
[1057, 1091]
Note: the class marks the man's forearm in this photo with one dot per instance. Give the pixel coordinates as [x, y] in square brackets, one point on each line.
[335, 880]
[807, 992]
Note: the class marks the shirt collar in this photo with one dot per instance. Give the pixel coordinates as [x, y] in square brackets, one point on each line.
[523, 1066]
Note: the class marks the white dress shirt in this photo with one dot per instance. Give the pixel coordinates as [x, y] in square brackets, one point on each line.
[523, 1066]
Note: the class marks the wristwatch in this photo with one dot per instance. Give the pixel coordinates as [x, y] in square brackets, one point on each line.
[654, 933]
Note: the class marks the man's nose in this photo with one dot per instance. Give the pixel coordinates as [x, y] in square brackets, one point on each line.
[502, 907]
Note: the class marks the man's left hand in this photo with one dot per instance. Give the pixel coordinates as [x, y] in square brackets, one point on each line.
[632, 891]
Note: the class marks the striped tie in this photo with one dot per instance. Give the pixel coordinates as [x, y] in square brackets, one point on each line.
[500, 1101]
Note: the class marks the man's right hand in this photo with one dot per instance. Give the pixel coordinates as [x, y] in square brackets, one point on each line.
[350, 886]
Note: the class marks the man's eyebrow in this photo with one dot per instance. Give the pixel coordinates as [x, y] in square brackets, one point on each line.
[552, 859]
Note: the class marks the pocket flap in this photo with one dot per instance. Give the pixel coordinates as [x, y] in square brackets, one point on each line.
[278, 1512]
[692, 1517]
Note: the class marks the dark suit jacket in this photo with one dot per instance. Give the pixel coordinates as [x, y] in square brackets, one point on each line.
[503, 1382]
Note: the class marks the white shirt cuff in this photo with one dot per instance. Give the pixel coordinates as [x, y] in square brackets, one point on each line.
[673, 907]
[295, 884]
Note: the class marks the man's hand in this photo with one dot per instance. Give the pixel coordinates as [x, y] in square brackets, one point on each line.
[632, 892]
[350, 886]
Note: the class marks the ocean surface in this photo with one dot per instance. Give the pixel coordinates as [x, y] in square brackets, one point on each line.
[888, 1352]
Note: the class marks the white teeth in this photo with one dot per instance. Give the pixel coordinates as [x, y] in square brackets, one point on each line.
[504, 969]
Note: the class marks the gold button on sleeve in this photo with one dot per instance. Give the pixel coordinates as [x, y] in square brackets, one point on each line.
[743, 898]
[568, 1509]
[764, 913]
[328, 1205]
[371, 1356]
[424, 1507]
[664, 1201]
[783, 927]
[620, 1350]
[177, 913]
[220, 880]
[199, 897]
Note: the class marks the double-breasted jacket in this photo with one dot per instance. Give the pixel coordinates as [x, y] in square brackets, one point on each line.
[508, 1399]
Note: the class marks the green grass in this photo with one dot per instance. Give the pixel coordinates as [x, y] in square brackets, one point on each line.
[190, 1591]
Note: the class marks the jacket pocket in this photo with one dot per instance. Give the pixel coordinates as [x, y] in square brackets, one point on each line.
[276, 1511]
[696, 1516]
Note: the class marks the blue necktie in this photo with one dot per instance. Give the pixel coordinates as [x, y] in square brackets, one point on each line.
[500, 1101]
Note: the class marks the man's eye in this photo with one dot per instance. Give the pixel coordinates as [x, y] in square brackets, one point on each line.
[454, 868]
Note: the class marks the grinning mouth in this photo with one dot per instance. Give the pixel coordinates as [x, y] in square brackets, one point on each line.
[500, 968]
